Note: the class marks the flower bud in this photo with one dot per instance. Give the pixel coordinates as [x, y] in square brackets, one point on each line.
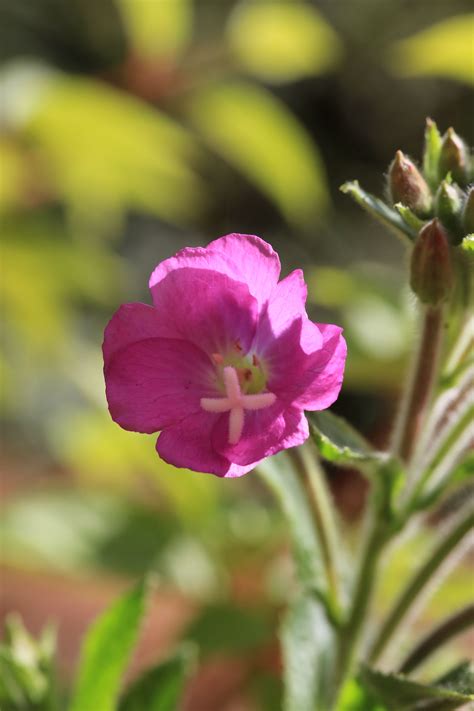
[453, 157]
[407, 185]
[468, 213]
[431, 275]
[448, 208]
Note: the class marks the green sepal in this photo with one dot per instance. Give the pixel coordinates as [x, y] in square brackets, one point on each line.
[409, 217]
[431, 154]
[378, 209]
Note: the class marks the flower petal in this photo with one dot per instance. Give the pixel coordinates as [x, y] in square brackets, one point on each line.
[265, 432]
[245, 258]
[285, 305]
[129, 324]
[157, 382]
[209, 309]
[311, 381]
[253, 261]
[188, 445]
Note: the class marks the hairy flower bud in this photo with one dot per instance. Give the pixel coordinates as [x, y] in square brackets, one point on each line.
[448, 206]
[431, 276]
[453, 157]
[468, 212]
[407, 185]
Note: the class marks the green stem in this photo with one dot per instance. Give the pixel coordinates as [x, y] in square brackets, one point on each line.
[421, 382]
[322, 509]
[350, 632]
[449, 628]
[417, 584]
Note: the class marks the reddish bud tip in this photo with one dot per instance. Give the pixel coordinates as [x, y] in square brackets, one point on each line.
[407, 185]
[431, 275]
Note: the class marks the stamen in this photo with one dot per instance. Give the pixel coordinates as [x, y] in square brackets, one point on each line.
[236, 403]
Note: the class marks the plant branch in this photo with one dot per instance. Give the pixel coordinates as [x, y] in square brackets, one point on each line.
[320, 502]
[423, 576]
[420, 384]
[449, 628]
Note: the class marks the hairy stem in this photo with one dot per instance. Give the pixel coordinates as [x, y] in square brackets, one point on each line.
[420, 580]
[449, 628]
[349, 636]
[420, 384]
[322, 510]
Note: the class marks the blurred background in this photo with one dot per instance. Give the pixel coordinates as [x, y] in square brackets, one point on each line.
[129, 129]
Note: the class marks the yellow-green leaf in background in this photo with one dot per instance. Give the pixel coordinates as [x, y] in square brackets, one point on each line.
[160, 28]
[105, 152]
[282, 41]
[12, 174]
[256, 133]
[445, 49]
[100, 453]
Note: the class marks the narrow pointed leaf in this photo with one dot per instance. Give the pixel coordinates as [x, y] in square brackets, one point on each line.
[285, 484]
[106, 651]
[378, 209]
[337, 441]
[161, 688]
[308, 648]
[399, 693]
[409, 217]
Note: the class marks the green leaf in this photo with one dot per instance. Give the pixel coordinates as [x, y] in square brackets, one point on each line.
[468, 244]
[401, 694]
[159, 29]
[308, 649]
[444, 49]
[161, 688]
[256, 133]
[27, 668]
[356, 697]
[459, 679]
[227, 628]
[337, 441]
[282, 41]
[107, 151]
[285, 484]
[378, 209]
[431, 154]
[106, 651]
[409, 217]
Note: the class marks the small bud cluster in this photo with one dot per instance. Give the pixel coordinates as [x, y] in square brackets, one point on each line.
[432, 205]
[441, 189]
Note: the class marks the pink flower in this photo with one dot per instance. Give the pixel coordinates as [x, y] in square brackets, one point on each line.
[225, 361]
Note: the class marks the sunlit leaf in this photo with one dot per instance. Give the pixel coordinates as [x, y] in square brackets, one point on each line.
[281, 41]
[257, 134]
[431, 153]
[443, 49]
[307, 641]
[27, 668]
[106, 152]
[337, 441]
[105, 653]
[160, 688]
[399, 693]
[468, 243]
[159, 28]
[356, 697]
[378, 209]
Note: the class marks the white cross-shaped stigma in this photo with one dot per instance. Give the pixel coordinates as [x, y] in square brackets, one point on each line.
[235, 403]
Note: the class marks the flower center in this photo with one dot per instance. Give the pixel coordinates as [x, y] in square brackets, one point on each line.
[236, 402]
